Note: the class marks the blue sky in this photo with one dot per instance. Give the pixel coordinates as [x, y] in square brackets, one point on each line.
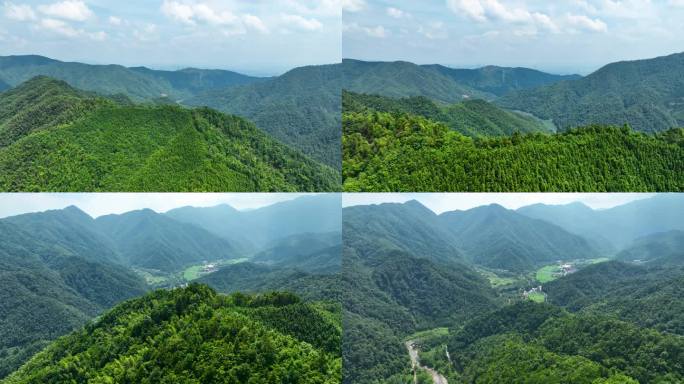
[565, 36]
[257, 37]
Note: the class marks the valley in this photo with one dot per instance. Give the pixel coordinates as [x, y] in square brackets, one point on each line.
[76, 284]
[437, 298]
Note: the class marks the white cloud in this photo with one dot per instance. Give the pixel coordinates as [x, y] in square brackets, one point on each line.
[378, 31]
[322, 8]
[255, 23]
[352, 5]
[19, 12]
[58, 26]
[472, 8]
[433, 31]
[147, 33]
[302, 22]
[68, 10]
[113, 20]
[493, 10]
[98, 36]
[396, 13]
[586, 23]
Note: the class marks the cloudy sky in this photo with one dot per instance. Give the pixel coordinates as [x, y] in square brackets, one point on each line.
[98, 204]
[262, 37]
[568, 36]
[444, 202]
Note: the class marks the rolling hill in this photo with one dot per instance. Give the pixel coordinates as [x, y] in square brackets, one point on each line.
[469, 117]
[300, 108]
[646, 94]
[311, 252]
[194, 335]
[90, 146]
[664, 248]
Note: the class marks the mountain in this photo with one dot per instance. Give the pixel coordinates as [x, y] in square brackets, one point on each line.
[501, 80]
[194, 335]
[496, 237]
[619, 225]
[646, 94]
[92, 146]
[4, 86]
[394, 152]
[529, 341]
[150, 240]
[469, 117]
[403, 79]
[410, 227]
[311, 252]
[301, 108]
[306, 214]
[49, 289]
[664, 248]
[139, 83]
[649, 297]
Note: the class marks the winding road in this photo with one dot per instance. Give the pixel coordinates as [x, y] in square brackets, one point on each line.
[437, 378]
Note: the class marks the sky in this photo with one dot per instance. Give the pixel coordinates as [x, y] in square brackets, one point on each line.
[444, 202]
[257, 37]
[565, 36]
[98, 204]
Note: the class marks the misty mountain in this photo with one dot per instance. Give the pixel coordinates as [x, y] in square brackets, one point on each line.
[619, 225]
[658, 249]
[311, 252]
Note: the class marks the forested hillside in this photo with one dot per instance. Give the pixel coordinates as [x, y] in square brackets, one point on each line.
[646, 94]
[194, 335]
[88, 144]
[470, 117]
[301, 108]
[663, 248]
[52, 285]
[472, 319]
[400, 152]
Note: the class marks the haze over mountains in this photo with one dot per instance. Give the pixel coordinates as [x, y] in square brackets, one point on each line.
[63, 267]
[411, 270]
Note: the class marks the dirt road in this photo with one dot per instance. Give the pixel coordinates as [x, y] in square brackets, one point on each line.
[437, 378]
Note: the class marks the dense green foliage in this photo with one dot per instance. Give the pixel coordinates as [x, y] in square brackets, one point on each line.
[646, 94]
[52, 284]
[399, 152]
[311, 252]
[470, 117]
[151, 148]
[193, 335]
[301, 108]
[139, 83]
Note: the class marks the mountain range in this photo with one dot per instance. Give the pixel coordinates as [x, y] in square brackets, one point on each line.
[454, 281]
[61, 268]
[57, 138]
[300, 108]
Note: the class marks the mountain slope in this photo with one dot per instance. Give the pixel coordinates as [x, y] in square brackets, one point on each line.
[171, 148]
[48, 290]
[139, 83]
[385, 152]
[403, 79]
[495, 237]
[301, 108]
[308, 251]
[470, 117]
[4, 86]
[195, 335]
[664, 248]
[618, 225]
[501, 80]
[646, 94]
[150, 240]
